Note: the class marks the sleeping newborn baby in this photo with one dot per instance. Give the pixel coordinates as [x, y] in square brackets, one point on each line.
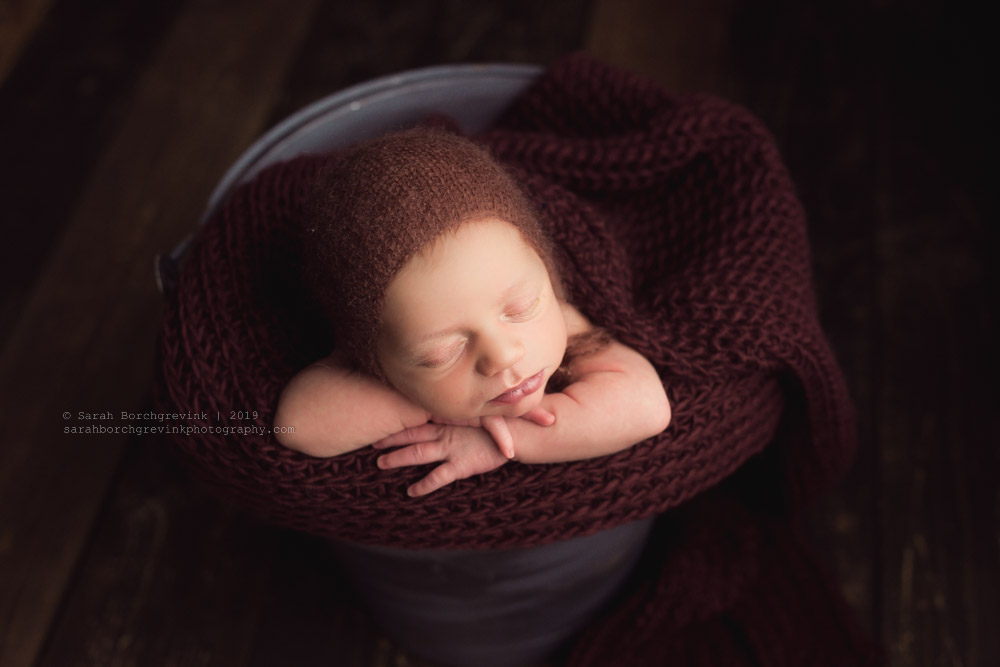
[453, 340]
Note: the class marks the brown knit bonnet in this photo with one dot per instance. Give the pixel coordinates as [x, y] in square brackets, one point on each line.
[379, 203]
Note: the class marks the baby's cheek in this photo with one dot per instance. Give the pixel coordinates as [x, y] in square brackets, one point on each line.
[464, 402]
[558, 337]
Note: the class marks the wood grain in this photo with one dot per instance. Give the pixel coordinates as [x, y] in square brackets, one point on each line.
[172, 577]
[60, 107]
[18, 21]
[939, 460]
[84, 341]
[109, 554]
[879, 111]
[681, 45]
[355, 42]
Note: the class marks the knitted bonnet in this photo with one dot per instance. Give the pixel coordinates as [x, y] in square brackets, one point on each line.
[379, 203]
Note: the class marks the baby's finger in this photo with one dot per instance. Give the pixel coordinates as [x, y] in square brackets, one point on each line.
[540, 416]
[440, 477]
[497, 427]
[422, 433]
[455, 422]
[414, 455]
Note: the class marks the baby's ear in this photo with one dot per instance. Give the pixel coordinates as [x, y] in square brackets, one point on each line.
[440, 121]
[576, 323]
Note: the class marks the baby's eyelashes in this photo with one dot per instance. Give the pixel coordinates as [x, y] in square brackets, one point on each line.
[523, 311]
[441, 358]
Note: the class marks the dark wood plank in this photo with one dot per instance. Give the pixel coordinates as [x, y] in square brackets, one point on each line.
[18, 21]
[354, 42]
[879, 113]
[59, 108]
[939, 460]
[680, 45]
[85, 339]
[171, 576]
[875, 107]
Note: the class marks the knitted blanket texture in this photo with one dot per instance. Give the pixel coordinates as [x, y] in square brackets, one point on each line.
[678, 230]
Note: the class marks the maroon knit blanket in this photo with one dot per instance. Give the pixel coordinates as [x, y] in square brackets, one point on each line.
[679, 231]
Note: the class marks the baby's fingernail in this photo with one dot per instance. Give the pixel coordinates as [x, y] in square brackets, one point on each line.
[379, 462]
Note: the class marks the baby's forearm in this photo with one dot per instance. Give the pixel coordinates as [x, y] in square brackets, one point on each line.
[332, 410]
[604, 413]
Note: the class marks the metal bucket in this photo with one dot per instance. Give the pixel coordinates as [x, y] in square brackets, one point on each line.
[494, 608]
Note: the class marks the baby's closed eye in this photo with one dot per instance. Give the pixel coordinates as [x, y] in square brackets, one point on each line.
[522, 310]
[440, 358]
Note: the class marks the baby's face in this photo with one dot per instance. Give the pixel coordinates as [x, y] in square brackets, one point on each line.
[472, 326]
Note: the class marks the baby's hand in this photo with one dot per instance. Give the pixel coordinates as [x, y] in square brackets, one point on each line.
[464, 451]
[497, 427]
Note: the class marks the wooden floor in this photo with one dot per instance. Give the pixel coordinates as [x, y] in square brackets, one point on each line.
[116, 121]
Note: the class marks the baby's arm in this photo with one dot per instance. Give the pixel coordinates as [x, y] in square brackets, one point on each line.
[334, 410]
[616, 401]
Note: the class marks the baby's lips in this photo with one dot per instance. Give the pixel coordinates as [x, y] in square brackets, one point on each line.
[526, 388]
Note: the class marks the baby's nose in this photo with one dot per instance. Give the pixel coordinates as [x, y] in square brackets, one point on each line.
[498, 353]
